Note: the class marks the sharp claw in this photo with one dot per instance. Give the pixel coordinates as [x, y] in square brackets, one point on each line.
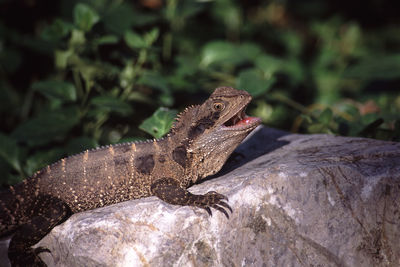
[41, 249]
[226, 214]
[208, 211]
[226, 206]
[214, 200]
[221, 210]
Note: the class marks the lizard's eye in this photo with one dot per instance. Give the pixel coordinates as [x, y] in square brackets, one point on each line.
[219, 106]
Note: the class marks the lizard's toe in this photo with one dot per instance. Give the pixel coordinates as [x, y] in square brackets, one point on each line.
[39, 250]
[215, 196]
[215, 200]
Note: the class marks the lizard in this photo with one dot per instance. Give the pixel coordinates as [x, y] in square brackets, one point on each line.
[198, 144]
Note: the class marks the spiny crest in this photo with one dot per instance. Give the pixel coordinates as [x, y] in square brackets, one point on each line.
[184, 118]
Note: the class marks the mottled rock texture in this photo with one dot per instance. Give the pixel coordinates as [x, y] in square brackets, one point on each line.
[298, 200]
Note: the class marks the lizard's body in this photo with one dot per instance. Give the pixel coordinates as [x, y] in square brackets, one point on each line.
[197, 146]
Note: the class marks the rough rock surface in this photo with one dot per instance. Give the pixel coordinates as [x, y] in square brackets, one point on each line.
[298, 200]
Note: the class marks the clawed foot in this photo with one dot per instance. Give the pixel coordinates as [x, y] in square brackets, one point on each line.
[170, 191]
[214, 200]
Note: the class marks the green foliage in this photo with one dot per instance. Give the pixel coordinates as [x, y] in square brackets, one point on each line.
[353, 119]
[47, 127]
[253, 81]
[159, 123]
[85, 17]
[63, 91]
[108, 104]
[78, 74]
[9, 151]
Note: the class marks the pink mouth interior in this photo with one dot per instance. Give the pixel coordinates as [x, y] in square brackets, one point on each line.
[248, 120]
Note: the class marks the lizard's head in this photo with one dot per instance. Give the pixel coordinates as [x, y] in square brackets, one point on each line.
[215, 128]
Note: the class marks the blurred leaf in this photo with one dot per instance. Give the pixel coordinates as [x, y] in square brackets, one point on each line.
[166, 99]
[269, 64]
[186, 65]
[134, 40]
[351, 39]
[326, 116]
[57, 30]
[296, 71]
[92, 71]
[307, 118]
[157, 81]
[223, 52]
[47, 126]
[370, 118]
[112, 104]
[85, 17]
[114, 135]
[159, 123]
[229, 13]
[154, 80]
[106, 39]
[316, 128]
[293, 43]
[9, 151]
[249, 51]
[140, 97]
[122, 17]
[218, 52]
[375, 67]
[151, 36]
[61, 90]
[119, 19]
[327, 83]
[127, 75]
[77, 38]
[279, 113]
[189, 9]
[61, 58]
[263, 110]
[252, 81]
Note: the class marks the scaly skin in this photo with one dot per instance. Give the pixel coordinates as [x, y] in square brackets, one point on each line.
[197, 146]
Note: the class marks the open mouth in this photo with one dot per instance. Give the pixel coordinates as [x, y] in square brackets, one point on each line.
[241, 121]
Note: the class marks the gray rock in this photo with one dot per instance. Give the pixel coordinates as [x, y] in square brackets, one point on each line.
[298, 200]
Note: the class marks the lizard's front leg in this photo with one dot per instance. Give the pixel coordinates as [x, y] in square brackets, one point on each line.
[48, 213]
[168, 190]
